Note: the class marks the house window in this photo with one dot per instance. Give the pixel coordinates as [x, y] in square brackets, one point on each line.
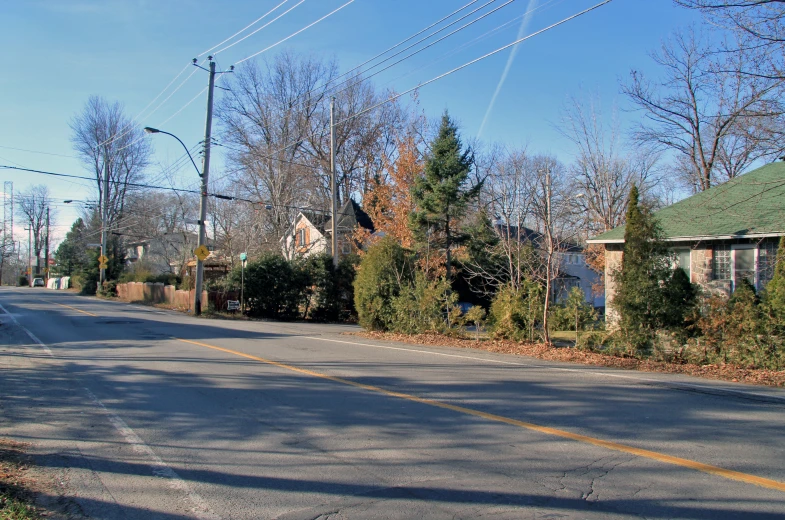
[683, 260]
[301, 237]
[346, 248]
[721, 262]
[767, 259]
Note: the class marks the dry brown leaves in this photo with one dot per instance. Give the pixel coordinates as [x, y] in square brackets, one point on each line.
[541, 351]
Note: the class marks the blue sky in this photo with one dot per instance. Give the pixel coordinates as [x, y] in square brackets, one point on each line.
[59, 52]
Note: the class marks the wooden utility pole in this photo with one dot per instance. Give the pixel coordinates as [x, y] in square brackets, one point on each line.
[333, 185]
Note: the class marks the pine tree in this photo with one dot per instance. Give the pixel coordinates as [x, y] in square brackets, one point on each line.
[642, 281]
[443, 194]
[774, 295]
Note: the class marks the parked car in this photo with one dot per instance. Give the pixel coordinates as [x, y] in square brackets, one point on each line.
[38, 282]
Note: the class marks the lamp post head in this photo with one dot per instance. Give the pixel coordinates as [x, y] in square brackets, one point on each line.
[151, 130]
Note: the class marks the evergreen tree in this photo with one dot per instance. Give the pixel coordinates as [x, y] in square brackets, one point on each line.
[642, 281]
[774, 295]
[383, 271]
[71, 255]
[443, 194]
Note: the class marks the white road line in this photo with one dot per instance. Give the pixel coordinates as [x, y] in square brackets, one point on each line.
[32, 336]
[198, 505]
[687, 386]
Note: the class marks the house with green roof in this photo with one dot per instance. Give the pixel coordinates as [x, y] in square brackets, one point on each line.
[719, 236]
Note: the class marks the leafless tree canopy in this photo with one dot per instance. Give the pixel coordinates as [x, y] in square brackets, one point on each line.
[110, 143]
[603, 172]
[759, 26]
[717, 119]
[32, 209]
[276, 123]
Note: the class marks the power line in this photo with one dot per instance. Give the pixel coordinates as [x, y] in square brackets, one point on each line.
[243, 29]
[456, 69]
[39, 152]
[262, 27]
[295, 33]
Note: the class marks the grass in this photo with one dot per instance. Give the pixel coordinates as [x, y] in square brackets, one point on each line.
[16, 500]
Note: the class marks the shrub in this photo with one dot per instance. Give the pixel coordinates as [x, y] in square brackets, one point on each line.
[108, 289]
[424, 306]
[23, 281]
[384, 270]
[476, 316]
[514, 313]
[330, 292]
[274, 288]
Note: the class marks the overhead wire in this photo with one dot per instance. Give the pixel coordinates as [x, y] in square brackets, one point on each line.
[243, 29]
[456, 69]
[294, 33]
[262, 27]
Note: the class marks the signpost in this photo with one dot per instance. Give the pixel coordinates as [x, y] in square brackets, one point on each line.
[202, 252]
[232, 305]
[243, 260]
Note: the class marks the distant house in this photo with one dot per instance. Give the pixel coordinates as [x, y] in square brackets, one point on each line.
[719, 236]
[168, 253]
[571, 259]
[310, 233]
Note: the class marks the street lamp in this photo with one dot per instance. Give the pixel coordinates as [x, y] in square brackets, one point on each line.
[200, 247]
[151, 130]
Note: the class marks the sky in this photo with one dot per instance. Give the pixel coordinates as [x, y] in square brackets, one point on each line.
[60, 52]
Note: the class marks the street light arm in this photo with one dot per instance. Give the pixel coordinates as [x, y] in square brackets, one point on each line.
[150, 130]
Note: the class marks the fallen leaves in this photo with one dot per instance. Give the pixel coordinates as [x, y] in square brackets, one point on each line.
[541, 351]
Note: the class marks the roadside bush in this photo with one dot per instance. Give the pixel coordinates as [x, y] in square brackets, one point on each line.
[425, 306]
[274, 288]
[330, 292]
[515, 313]
[108, 289]
[574, 313]
[476, 316]
[23, 281]
[383, 271]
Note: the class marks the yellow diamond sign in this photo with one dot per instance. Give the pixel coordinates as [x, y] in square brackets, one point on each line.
[202, 252]
[102, 260]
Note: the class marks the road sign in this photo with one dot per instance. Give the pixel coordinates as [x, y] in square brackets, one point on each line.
[202, 252]
[103, 265]
[233, 305]
[102, 260]
[243, 258]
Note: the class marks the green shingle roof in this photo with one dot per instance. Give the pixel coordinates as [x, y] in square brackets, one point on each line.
[751, 204]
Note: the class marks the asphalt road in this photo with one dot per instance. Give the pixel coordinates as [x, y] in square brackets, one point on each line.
[148, 414]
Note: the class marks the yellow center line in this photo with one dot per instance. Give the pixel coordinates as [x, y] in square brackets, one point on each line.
[653, 455]
[69, 307]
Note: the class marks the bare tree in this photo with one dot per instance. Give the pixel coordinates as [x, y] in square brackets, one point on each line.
[266, 117]
[364, 141]
[32, 208]
[602, 173]
[551, 214]
[110, 145]
[759, 26]
[702, 106]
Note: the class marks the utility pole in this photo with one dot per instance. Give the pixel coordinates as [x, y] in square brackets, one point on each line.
[208, 130]
[549, 258]
[104, 217]
[333, 185]
[30, 255]
[46, 247]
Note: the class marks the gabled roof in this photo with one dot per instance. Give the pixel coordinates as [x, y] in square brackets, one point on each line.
[525, 234]
[349, 216]
[751, 205]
